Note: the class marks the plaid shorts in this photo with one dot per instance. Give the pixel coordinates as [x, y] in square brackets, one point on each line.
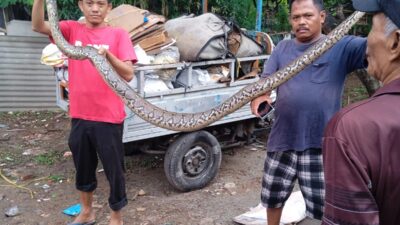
[281, 170]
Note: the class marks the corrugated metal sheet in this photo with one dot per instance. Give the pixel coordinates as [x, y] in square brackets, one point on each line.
[25, 84]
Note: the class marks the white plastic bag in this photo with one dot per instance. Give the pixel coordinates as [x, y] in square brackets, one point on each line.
[294, 211]
[52, 56]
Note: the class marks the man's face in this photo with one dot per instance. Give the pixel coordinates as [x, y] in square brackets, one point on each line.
[377, 48]
[95, 11]
[306, 20]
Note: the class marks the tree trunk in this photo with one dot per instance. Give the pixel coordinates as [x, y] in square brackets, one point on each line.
[370, 83]
[144, 4]
[340, 12]
[164, 8]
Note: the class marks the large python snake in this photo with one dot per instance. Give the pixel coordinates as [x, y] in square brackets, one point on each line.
[192, 121]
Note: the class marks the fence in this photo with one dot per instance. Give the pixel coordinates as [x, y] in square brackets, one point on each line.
[25, 84]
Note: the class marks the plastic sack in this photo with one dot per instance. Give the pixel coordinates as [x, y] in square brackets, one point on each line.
[142, 57]
[154, 85]
[169, 55]
[73, 210]
[52, 56]
[199, 77]
[294, 211]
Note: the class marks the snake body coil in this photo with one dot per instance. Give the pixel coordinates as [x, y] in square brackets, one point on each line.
[192, 121]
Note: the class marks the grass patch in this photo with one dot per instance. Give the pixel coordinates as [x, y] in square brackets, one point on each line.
[10, 158]
[355, 94]
[47, 159]
[56, 178]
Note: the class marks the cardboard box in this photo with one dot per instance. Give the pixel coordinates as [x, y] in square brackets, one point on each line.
[150, 25]
[148, 33]
[153, 40]
[160, 46]
[127, 17]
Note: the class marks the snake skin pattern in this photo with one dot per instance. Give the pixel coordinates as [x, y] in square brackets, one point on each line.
[192, 121]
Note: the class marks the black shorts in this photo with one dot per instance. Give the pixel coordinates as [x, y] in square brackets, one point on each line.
[89, 141]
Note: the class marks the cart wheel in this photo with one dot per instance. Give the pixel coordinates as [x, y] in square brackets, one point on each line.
[192, 160]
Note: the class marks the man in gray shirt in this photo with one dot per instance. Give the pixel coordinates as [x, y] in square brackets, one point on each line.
[304, 106]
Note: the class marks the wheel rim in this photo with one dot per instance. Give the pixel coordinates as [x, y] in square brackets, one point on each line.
[195, 161]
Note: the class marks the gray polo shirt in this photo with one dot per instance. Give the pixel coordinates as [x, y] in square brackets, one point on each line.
[306, 102]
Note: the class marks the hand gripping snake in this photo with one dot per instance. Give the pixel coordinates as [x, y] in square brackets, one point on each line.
[192, 121]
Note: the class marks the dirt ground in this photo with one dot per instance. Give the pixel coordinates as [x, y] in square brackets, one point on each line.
[32, 148]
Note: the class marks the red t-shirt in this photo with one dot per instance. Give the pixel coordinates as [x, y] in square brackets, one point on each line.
[90, 97]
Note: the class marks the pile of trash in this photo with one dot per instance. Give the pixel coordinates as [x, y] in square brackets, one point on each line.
[145, 29]
[158, 41]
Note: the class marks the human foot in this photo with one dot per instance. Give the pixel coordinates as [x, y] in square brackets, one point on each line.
[116, 218]
[84, 218]
[84, 223]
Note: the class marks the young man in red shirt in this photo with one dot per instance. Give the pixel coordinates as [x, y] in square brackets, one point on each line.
[97, 112]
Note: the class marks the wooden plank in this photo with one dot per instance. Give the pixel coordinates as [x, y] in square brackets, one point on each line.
[154, 40]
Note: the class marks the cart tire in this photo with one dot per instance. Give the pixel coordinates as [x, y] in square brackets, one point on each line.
[192, 160]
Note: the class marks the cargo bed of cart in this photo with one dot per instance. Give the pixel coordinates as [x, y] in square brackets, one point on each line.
[192, 159]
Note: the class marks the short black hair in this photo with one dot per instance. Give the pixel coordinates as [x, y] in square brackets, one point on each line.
[318, 3]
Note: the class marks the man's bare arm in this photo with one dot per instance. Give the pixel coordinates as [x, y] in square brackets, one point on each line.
[255, 103]
[123, 68]
[38, 22]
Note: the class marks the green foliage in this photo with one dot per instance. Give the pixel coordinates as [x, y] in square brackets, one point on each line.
[330, 5]
[175, 8]
[56, 178]
[355, 94]
[340, 9]
[68, 9]
[279, 22]
[5, 3]
[47, 158]
[243, 12]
